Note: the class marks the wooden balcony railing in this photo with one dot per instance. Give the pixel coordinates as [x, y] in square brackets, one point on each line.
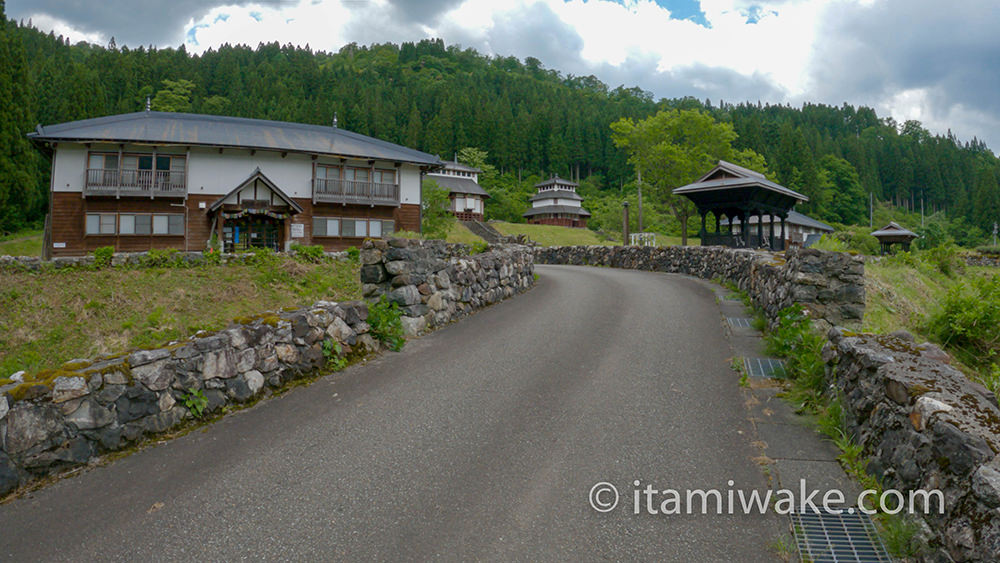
[350, 191]
[142, 183]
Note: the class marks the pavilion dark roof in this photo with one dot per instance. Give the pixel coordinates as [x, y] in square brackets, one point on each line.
[189, 129]
[556, 180]
[557, 193]
[458, 185]
[894, 230]
[569, 209]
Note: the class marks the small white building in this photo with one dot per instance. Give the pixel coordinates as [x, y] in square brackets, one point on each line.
[468, 198]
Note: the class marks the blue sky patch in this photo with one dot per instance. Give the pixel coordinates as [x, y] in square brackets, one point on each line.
[685, 10]
[756, 13]
[221, 18]
[192, 34]
[257, 16]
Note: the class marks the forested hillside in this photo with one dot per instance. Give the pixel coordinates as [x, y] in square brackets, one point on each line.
[530, 121]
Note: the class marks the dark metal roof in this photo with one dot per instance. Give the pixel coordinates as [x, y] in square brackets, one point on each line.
[258, 175]
[237, 132]
[794, 218]
[734, 169]
[456, 185]
[893, 229]
[556, 180]
[731, 183]
[561, 194]
[556, 209]
[456, 165]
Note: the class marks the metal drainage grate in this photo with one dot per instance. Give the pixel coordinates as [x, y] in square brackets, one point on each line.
[824, 537]
[764, 367]
[739, 322]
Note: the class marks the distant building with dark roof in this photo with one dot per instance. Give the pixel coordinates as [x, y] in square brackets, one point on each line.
[798, 226]
[148, 180]
[557, 203]
[462, 182]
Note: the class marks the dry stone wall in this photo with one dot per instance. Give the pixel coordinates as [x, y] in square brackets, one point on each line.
[88, 408]
[828, 284]
[434, 283]
[925, 426]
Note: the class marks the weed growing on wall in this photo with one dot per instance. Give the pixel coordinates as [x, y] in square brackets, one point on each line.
[386, 323]
[334, 355]
[195, 401]
[969, 321]
[102, 256]
[792, 337]
[313, 254]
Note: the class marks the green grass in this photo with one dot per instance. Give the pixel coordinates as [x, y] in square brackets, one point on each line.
[900, 296]
[458, 233]
[552, 235]
[49, 318]
[24, 243]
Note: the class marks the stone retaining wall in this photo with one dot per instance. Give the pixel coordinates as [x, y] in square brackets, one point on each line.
[828, 284]
[88, 408]
[435, 283]
[925, 426]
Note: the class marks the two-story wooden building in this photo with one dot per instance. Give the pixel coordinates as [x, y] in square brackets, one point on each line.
[468, 198]
[152, 180]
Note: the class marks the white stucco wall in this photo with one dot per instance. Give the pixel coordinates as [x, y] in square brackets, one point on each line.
[553, 201]
[212, 173]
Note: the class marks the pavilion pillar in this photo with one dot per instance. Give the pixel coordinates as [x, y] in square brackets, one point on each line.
[770, 236]
[745, 227]
[783, 236]
[703, 231]
[760, 229]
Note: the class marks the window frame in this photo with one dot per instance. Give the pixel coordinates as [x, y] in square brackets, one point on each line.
[100, 224]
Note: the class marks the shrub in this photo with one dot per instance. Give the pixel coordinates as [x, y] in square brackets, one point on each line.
[991, 250]
[103, 256]
[313, 254]
[479, 246]
[167, 258]
[353, 253]
[946, 259]
[386, 323]
[262, 257]
[969, 320]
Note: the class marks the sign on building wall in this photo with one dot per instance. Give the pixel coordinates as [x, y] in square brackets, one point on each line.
[298, 230]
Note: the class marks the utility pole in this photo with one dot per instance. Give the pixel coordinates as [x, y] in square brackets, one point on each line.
[625, 223]
[994, 233]
[921, 211]
[871, 212]
[638, 172]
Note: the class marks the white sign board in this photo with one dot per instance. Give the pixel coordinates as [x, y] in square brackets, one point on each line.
[59, 245]
[298, 230]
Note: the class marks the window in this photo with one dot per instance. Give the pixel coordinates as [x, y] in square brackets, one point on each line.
[103, 162]
[326, 227]
[327, 172]
[126, 224]
[143, 224]
[160, 225]
[357, 174]
[175, 224]
[385, 176]
[388, 227]
[101, 223]
[352, 228]
[375, 228]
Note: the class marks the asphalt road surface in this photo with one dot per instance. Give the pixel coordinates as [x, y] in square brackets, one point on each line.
[481, 441]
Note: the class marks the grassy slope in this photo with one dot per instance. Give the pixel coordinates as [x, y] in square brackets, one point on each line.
[551, 235]
[50, 318]
[25, 243]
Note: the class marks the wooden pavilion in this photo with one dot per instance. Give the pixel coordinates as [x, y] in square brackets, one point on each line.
[738, 194]
[892, 234]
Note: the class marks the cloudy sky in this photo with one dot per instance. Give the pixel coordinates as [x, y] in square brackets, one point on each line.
[934, 61]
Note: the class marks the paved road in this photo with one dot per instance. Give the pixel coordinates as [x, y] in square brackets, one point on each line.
[478, 442]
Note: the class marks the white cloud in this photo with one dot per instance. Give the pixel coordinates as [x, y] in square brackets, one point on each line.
[46, 22]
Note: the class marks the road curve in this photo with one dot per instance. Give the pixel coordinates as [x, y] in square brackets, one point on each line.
[480, 441]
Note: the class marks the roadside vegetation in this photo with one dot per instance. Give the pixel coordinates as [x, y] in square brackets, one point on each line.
[795, 339]
[52, 317]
